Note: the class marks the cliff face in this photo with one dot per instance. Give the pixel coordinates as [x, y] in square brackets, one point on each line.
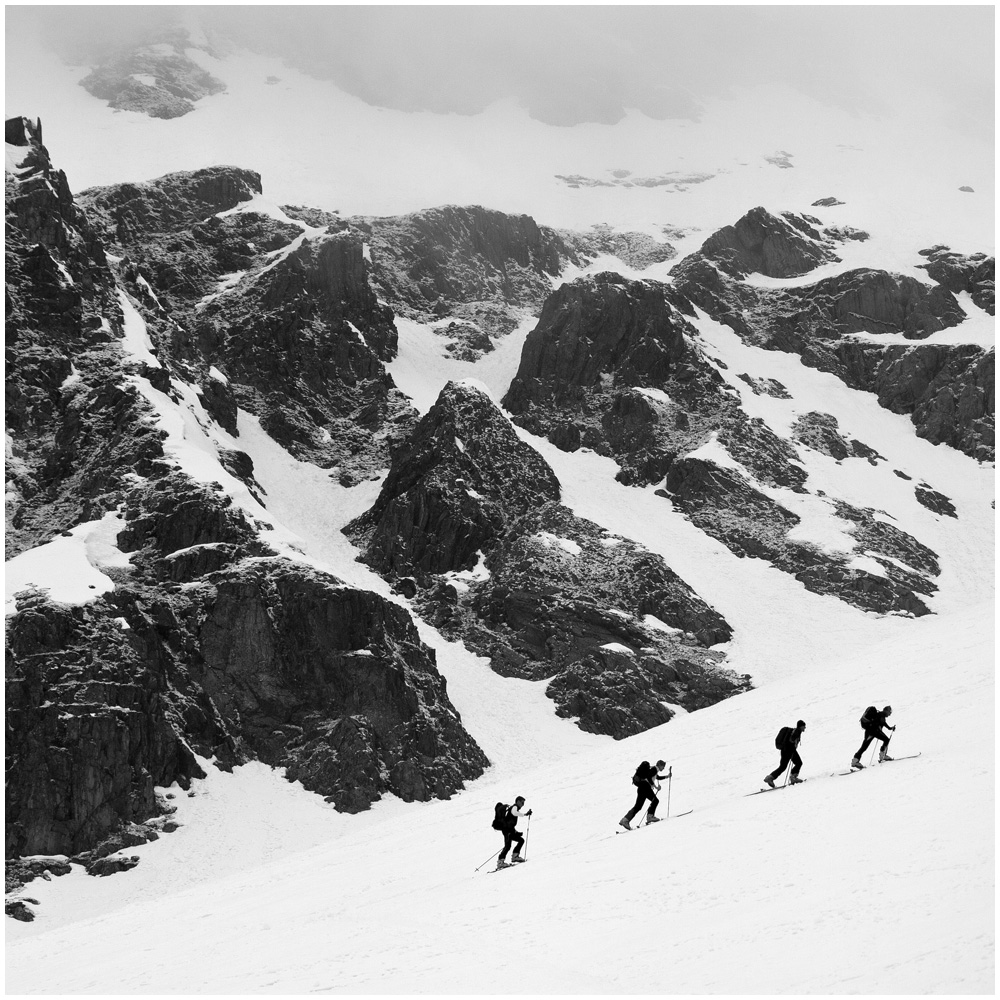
[471, 513]
[281, 309]
[942, 387]
[200, 641]
[454, 486]
[614, 365]
[475, 272]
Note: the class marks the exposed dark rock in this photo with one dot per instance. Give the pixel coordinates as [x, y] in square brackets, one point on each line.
[18, 909]
[458, 482]
[150, 80]
[948, 389]
[767, 244]
[468, 263]
[844, 233]
[88, 733]
[765, 386]
[615, 361]
[945, 388]
[636, 250]
[220, 403]
[820, 432]
[112, 866]
[562, 597]
[723, 504]
[20, 871]
[935, 501]
[828, 202]
[332, 683]
[972, 273]
[107, 700]
[127, 215]
[967, 189]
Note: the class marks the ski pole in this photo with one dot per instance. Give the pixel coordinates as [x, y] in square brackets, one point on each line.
[527, 829]
[670, 782]
[490, 858]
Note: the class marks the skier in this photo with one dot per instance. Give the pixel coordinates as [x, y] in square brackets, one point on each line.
[787, 742]
[647, 782]
[510, 834]
[872, 722]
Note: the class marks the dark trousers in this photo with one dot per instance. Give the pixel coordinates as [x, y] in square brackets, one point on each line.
[511, 837]
[645, 792]
[788, 754]
[872, 734]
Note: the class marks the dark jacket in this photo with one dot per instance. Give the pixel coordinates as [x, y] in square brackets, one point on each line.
[876, 722]
[792, 737]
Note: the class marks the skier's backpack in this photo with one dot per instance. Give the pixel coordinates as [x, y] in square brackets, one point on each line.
[641, 773]
[499, 815]
[868, 716]
[782, 738]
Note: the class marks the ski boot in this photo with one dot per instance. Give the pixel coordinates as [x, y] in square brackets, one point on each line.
[624, 823]
[795, 780]
[501, 864]
[652, 819]
[856, 764]
[516, 860]
[883, 756]
[769, 781]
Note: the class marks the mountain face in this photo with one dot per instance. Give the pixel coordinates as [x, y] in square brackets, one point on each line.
[471, 513]
[153, 325]
[947, 390]
[207, 641]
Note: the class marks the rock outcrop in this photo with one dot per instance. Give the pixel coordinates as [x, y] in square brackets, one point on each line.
[725, 505]
[158, 79]
[612, 366]
[615, 365]
[454, 487]
[468, 526]
[207, 646]
[284, 313]
[762, 243]
[973, 273]
[944, 388]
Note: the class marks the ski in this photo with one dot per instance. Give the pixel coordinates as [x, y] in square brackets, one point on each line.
[857, 770]
[513, 864]
[634, 828]
[777, 788]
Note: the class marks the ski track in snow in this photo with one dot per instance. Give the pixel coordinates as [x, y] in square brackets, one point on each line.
[877, 882]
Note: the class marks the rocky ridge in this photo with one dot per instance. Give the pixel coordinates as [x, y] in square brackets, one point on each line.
[615, 365]
[834, 324]
[209, 646]
[472, 515]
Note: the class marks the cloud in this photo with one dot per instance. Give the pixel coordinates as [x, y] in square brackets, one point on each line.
[573, 64]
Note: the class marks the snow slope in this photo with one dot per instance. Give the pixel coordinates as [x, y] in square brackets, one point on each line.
[266, 889]
[877, 882]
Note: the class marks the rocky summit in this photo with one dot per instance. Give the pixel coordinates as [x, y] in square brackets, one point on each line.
[181, 351]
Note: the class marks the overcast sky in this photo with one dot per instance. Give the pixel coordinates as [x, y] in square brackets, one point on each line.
[572, 64]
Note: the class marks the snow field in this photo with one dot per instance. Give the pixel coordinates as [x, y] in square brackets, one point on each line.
[791, 891]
